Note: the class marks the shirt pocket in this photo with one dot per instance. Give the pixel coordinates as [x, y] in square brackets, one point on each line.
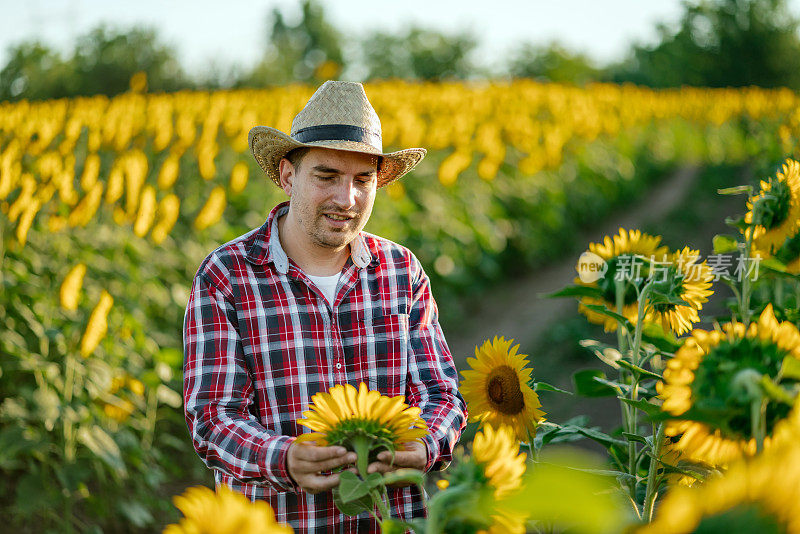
[383, 351]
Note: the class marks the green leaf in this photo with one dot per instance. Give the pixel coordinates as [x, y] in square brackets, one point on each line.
[776, 392]
[606, 353]
[790, 368]
[656, 297]
[412, 476]
[773, 264]
[352, 507]
[652, 411]
[634, 437]
[664, 341]
[736, 190]
[600, 437]
[587, 385]
[638, 370]
[544, 386]
[602, 310]
[577, 291]
[736, 223]
[49, 405]
[103, 446]
[136, 512]
[725, 244]
[351, 487]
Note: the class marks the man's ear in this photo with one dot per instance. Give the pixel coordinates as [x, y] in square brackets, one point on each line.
[286, 175]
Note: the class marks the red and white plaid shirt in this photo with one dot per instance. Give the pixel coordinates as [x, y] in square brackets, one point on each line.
[260, 339]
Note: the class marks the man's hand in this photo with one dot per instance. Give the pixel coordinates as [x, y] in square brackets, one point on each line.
[305, 462]
[414, 456]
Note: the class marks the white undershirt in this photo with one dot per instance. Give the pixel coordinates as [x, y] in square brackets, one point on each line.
[327, 284]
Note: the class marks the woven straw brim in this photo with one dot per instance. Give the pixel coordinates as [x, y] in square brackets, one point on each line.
[269, 145]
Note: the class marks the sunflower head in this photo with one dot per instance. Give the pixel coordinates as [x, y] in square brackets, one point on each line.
[496, 388]
[361, 419]
[621, 254]
[788, 253]
[774, 212]
[761, 495]
[685, 279]
[223, 511]
[493, 472]
[715, 377]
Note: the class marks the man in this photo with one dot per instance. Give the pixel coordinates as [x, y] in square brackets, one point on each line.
[308, 301]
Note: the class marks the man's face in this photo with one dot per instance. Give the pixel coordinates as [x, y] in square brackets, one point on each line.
[331, 194]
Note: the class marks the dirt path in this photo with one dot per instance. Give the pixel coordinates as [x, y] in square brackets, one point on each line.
[515, 308]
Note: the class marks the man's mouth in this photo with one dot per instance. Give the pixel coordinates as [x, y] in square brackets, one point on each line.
[338, 217]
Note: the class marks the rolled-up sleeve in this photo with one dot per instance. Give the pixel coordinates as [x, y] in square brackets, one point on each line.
[218, 392]
[432, 382]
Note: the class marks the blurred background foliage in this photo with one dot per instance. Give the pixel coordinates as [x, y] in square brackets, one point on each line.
[717, 43]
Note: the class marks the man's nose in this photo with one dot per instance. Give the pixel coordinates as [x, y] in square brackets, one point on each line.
[345, 196]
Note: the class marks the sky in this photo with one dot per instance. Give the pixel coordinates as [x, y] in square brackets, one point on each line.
[233, 31]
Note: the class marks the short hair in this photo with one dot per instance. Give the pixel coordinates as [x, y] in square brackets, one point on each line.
[295, 156]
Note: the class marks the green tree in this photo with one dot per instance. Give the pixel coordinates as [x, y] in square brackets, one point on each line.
[418, 53]
[102, 62]
[308, 51]
[721, 43]
[33, 71]
[552, 63]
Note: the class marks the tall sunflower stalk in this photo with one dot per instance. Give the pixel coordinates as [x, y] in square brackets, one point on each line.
[645, 293]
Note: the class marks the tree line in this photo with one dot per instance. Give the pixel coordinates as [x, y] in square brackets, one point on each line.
[716, 43]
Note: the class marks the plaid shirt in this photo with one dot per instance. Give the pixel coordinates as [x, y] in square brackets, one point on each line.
[260, 339]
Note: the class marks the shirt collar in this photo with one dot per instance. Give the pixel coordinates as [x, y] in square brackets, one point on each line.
[266, 244]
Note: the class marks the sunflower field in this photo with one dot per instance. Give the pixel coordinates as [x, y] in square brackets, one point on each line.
[108, 205]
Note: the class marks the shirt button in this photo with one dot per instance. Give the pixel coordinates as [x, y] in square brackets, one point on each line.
[338, 365]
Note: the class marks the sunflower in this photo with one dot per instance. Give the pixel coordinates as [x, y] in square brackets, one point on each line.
[685, 279]
[788, 253]
[223, 512]
[497, 391]
[761, 495]
[774, 213]
[497, 453]
[709, 375]
[619, 253]
[345, 414]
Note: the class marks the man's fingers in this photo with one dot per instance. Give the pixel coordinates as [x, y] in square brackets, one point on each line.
[312, 453]
[318, 483]
[379, 467]
[305, 466]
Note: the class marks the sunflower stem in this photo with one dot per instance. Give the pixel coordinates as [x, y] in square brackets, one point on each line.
[377, 499]
[634, 391]
[361, 446]
[534, 456]
[651, 493]
[744, 303]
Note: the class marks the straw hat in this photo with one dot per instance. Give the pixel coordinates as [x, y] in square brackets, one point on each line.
[338, 116]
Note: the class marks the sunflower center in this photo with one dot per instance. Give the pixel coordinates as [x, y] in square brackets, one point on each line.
[715, 392]
[772, 207]
[504, 390]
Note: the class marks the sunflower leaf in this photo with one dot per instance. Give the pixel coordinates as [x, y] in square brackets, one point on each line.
[638, 370]
[577, 291]
[355, 507]
[657, 297]
[776, 392]
[634, 437]
[587, 385]
[736, 190]
[736, 223]
[664, 341]
[790, 368]
[544, 386]
[352, 488]
[411, 476]
[602, 310]
[773, 264]
[652, 411]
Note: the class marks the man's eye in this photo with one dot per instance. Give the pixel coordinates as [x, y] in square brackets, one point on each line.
[325, 177]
